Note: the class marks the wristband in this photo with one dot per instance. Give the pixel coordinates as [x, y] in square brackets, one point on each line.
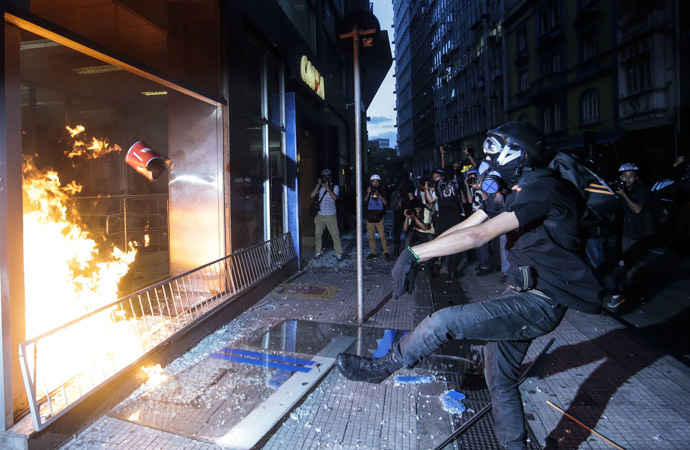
[416, 256]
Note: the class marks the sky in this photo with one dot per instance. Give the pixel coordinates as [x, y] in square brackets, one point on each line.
[381, 110]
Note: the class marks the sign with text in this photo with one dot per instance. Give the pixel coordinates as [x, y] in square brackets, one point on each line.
[312, 77]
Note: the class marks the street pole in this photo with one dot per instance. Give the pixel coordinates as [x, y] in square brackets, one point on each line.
[358, 173]
[368, 41]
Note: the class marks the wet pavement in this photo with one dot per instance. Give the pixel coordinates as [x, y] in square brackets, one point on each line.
[270, 371]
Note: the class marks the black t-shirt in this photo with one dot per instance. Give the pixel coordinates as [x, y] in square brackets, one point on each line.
[548, 241]
[638, 226]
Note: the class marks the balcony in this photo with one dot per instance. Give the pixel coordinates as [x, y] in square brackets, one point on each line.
[550, 37]
[587, 13]
[651, 103]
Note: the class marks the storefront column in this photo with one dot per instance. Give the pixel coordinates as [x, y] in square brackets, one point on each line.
[12, 317]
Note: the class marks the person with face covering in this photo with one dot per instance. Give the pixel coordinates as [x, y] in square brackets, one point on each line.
[547, 275]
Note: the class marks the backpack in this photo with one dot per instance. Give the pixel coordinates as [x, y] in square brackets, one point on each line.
[375, 210]
[601, 203]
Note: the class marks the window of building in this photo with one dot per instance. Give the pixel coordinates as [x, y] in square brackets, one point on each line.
[521, 40]
[523, 80]
[588, 45]
[548, 19]
[180, 39]
[557, 117]
[552, 118]
[118, 204]
[638, 73]
[589, 107]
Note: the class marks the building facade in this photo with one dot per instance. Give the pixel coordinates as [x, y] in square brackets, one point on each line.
[247, 99]
[599, 78]
[449, 77]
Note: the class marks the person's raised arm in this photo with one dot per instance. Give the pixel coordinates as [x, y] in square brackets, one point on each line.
[316, 189]
[333, 195]
[469, 156]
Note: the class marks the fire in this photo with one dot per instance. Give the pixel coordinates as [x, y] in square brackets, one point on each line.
[65, 276]
[68, 276]
[81, 147]
[156, 376]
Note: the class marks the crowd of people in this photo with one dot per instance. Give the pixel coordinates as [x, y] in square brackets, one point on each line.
[431, 204]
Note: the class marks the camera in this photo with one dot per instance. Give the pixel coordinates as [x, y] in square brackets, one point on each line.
[374, 192]
[409, 212]
[325, 180]
[618, 185]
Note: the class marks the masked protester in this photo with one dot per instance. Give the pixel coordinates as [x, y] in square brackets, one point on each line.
[546, 277]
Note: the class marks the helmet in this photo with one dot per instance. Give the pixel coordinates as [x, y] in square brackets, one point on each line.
[628, 166]
[511, 147]
[326, 172]
[438, 171]
[375, 177]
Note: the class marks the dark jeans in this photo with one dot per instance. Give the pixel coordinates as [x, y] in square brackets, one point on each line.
[509, 323]
[398, 219]
[483, 256]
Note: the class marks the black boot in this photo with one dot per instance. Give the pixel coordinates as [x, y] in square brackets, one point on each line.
[359, 368]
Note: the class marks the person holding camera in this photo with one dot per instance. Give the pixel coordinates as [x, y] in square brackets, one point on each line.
[418, 225]
[376, 212]
[638, 226]
[327, 216]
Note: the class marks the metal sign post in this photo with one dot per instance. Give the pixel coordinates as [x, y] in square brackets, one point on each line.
[355, 35]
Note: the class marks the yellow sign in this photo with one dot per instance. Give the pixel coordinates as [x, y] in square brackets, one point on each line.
[312, 77]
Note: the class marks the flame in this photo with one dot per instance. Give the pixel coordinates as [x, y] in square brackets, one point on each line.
[97, 147]
[76, 130]
[65, 276]
[156, 376]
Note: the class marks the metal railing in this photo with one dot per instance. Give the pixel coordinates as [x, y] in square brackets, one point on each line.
[60, 367]
[125, 218]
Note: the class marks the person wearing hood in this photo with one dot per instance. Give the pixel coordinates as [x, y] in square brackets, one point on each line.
[547, 275]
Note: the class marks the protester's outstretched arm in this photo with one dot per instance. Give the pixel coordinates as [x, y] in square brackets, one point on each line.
[463, 239]
[476, 218]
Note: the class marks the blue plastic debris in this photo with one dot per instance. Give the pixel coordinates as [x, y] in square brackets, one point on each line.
[414, 379]
[452, 402]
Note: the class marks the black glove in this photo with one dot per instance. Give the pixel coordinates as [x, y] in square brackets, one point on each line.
[403, 273]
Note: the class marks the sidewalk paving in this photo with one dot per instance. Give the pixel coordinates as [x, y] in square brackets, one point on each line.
[606, 375]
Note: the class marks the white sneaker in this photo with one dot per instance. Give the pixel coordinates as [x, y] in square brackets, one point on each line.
[339, 257]
[317, 256]
[615, 301]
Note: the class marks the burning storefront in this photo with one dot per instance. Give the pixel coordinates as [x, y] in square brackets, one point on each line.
[88, 231]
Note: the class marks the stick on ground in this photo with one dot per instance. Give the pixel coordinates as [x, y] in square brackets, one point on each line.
[609, 441]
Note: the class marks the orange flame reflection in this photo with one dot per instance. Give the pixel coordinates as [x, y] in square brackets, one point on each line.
[97, 147]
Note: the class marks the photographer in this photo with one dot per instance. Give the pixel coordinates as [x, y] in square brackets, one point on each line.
[376, 211]
[426, 193]
[418, 226]
[638, 226]
[327, 193]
